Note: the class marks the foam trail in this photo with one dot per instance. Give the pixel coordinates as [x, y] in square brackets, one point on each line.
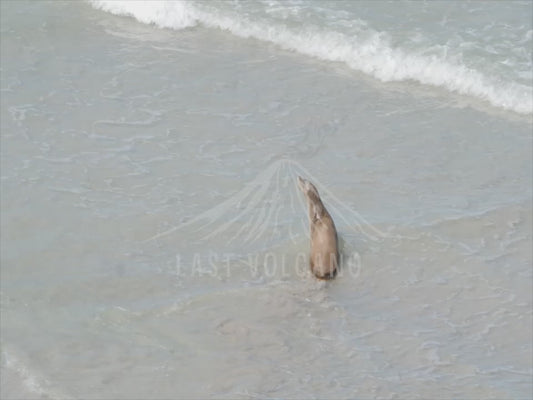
[373, 54]
[255, 209]
[164, 14]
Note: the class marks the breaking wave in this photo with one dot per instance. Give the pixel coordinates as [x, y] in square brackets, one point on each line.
[369, 51]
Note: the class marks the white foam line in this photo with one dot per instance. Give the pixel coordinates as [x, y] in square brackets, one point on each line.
[373, 55]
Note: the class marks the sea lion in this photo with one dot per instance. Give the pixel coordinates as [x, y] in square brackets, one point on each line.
[324, 257]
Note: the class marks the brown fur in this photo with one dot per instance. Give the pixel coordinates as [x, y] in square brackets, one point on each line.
[324, 257]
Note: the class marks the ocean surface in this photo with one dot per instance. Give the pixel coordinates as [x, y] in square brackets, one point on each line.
[153, 240]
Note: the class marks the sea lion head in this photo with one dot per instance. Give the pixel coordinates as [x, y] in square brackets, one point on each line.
[316, 208]
[307, 188]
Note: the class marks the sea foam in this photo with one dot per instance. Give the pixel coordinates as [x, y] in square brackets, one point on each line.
[370, 53]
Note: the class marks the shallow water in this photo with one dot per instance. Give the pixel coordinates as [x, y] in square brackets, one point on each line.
[154, 243]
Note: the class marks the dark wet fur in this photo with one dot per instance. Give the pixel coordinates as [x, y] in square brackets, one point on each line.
[328, 276]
